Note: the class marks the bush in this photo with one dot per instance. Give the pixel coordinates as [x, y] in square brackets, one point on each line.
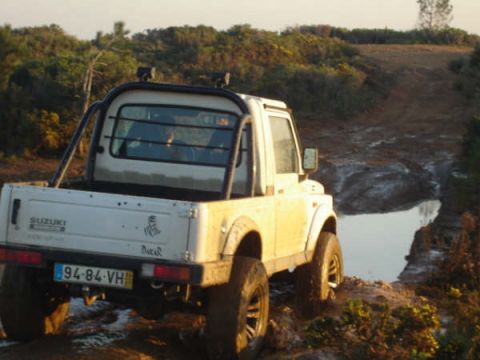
[475, 58]
[457, 65]
[461, 337]
[469, 81]
[468, 186]
[455, 289]
[376, 332]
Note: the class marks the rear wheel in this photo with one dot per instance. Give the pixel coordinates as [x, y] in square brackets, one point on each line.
[30, 309]
[318, 281]
[237, 317]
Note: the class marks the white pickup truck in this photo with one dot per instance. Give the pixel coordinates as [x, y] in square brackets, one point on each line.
[193, 196]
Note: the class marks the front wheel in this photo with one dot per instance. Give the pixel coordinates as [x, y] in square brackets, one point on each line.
[30, 309]
[237, 316]
[318, 280]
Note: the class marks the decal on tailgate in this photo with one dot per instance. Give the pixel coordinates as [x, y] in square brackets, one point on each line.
[151, 229]
[47, 224]
[151, 251]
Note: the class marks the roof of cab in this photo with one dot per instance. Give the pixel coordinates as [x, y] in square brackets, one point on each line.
[235, 98]
[241, 100]
[264, 101]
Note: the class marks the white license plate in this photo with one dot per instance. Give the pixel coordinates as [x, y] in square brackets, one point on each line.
[93, 276]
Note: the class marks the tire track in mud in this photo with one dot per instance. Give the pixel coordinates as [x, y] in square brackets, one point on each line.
[107, 331]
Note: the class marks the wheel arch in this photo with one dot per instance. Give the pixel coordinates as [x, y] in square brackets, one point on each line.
[324, 220]
[244, 239]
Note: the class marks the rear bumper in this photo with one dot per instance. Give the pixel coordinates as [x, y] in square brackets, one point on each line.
[201, 274]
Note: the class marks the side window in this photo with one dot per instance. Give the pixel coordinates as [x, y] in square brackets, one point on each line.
[286, 157]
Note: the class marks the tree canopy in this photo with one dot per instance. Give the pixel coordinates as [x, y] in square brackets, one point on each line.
[48, 78]
[434, 14]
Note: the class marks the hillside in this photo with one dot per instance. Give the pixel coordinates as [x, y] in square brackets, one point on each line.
[402, 149]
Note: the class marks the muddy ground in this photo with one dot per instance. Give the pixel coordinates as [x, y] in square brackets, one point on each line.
[397, 154]
[104, 331]
[403, 149]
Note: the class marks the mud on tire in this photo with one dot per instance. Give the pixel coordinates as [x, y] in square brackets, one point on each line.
[317, 281]
[29, 309]
[237, 315]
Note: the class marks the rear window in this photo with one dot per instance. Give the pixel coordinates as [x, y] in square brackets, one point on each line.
[173, 134]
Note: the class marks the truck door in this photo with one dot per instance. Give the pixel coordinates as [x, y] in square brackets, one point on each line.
[290, 201]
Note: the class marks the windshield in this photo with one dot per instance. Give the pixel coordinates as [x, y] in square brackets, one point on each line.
[173, 134]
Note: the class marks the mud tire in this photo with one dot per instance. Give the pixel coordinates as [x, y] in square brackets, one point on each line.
[313, 281]
[28, 309]
[235, 309]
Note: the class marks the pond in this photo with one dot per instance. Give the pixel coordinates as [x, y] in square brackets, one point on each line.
[375, 245]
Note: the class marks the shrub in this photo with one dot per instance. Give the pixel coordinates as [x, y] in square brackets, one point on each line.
[376, 332]
[457, 65]
[455, 289]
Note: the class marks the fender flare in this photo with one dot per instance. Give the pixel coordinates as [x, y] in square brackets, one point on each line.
[322, 214]
[241, 227]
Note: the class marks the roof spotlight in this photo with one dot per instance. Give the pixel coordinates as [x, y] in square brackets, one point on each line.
[145, 73]
[221, 79]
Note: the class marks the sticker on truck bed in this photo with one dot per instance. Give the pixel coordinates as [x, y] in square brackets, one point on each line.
[47, 224]
[151, 229]
[152, 251]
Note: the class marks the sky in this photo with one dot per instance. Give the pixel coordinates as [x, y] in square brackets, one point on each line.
[84, 18]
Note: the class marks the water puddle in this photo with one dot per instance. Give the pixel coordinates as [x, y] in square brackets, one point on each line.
[375, 245]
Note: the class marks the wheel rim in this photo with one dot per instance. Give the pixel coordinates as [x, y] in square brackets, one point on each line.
[333, 276]
[253, 322]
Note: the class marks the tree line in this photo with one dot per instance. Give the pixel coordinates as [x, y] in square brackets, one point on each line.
[48, 77]
[441, 36]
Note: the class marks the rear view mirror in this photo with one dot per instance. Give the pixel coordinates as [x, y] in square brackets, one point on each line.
[310, 160]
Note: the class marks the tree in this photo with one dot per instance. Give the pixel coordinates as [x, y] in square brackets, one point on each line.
[102, 46]
[10, 50]
[434, 14]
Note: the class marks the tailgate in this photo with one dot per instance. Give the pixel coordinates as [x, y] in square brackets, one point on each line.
[97, 222]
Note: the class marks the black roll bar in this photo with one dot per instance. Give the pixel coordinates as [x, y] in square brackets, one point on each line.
[72, 146]
[232, 161]
[233, 156]
[148, 86]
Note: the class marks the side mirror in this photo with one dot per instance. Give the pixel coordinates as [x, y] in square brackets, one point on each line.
[310, 160]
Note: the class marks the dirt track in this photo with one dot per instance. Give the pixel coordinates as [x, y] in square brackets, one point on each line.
[401, 150]
[397, 153]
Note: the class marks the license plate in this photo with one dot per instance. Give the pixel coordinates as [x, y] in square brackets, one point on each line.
[93, 276]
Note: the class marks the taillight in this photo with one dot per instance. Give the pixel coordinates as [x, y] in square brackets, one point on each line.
[166, 272]
[20, 257]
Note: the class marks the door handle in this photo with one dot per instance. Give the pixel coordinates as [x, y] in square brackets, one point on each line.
[16, 207]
